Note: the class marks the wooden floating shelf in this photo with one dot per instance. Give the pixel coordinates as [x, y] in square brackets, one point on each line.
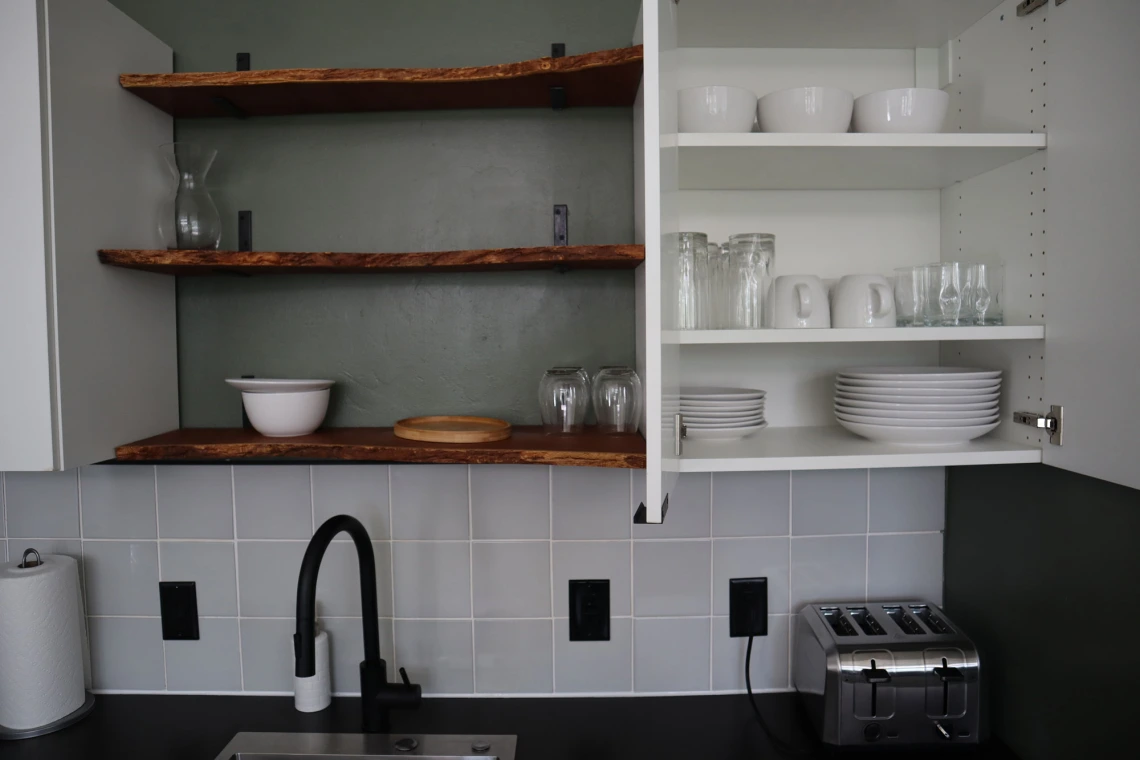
[273, 262]
[527, 445]
[833, 448]
[602, 78]
[850, 161]
[853, 335]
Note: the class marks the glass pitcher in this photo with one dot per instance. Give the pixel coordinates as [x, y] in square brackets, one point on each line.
[189, 219]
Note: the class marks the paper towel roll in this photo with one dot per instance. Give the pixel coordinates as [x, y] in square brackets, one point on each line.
[314, 693]
[42, 642]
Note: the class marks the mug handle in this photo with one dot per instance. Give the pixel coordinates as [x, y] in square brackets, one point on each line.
[803, 297]
[886, 300]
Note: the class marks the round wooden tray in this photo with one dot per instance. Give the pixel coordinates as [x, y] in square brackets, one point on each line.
[453, 429]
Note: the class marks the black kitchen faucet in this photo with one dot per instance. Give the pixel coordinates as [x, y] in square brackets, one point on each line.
[377, 696]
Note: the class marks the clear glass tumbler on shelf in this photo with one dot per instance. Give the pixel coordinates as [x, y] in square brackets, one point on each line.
[719, 283]
[618, 398]
[987, 294]
[563, 400]
[751, 257]
[188, 219]
[910, 296]
[692, 262]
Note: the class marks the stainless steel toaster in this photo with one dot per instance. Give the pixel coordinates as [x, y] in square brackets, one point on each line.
[887, 674]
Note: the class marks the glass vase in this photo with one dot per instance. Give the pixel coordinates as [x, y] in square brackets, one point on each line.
[189, 219]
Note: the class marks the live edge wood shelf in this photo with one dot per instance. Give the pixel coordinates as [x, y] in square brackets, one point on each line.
[527, 445]
[272, 262]
[602, 78]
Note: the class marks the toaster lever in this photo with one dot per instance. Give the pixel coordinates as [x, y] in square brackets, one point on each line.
[876, 675]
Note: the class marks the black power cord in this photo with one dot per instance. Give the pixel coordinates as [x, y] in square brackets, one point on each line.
[781, 746]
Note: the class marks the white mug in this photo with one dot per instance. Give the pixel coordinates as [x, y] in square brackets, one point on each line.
[863, 300]
[799, 300]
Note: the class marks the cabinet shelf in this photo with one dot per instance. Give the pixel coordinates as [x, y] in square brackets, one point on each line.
[854, 335]
[852, 161]
[602, 78]
[833, 448]
[274, 262]
[527, 445]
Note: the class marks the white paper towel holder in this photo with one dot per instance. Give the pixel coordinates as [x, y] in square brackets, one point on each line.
[7, 734]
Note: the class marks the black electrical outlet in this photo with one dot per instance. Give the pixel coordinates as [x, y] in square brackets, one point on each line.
[590, 610]
[179, 601]
[747, 607]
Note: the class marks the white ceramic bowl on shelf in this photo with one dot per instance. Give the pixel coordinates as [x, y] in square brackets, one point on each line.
[287, 414]
[806, 109]
[716, 108]
[909, 110]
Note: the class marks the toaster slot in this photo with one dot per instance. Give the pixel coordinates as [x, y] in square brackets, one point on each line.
[873, 687]
[841, 625]
[865, 621]
[905, 622]
[946, 683]
[932, 621]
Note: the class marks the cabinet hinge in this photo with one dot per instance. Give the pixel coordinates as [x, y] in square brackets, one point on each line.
[1028, 6]
[678, 433]
[1051, 422]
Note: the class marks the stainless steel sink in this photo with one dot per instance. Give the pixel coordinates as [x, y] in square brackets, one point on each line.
[265, 746]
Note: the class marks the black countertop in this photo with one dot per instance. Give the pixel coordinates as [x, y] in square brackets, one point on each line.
[661, 728]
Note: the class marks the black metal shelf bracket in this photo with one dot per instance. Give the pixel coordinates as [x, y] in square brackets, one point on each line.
[562, 225]
[242, 62]
[558, 94]
[245, 230]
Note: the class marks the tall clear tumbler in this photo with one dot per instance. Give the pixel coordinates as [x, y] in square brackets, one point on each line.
[617, 400]
[752, 254]
[563, 399]
[692, 260]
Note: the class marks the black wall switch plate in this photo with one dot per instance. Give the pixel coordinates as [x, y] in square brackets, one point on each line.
[179, 601]
[590, 610]
[747, 607]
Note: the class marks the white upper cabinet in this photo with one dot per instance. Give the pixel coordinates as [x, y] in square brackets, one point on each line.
[1035, 169]
[89, 352]
[1092, 345]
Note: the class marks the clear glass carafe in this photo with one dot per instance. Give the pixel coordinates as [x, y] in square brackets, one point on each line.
[189, 219]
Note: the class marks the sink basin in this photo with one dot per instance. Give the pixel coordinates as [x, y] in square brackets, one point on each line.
[266, 746]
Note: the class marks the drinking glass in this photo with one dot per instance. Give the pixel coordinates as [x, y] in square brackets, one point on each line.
[722, 292]
[563, 399]
[910, 296]
[691, 247]
[580, 370]
[752, 254]
[987, 293]
[948, 294]
[617, 400]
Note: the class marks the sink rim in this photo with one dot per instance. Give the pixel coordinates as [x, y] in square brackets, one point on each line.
[302, 744]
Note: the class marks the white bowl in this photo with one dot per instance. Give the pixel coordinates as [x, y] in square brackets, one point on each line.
[287, 414]
[716, 109]
[919, 435]
[911, 109]
[806, 109]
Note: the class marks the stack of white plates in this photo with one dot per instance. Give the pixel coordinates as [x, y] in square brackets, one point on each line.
[924, 405]
[722, 413]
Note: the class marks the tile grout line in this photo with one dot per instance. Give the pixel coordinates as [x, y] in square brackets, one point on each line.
[4, 510]
[83, 559]
[867, 548]
[550, 551]
[632, 623]
[471, 582]
[237, 573]
[712, 580]
[392, 569]
[158, 553]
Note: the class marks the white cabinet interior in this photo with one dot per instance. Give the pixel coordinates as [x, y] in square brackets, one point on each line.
[847, 204]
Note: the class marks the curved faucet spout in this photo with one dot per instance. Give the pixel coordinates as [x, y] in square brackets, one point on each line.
[304, 641]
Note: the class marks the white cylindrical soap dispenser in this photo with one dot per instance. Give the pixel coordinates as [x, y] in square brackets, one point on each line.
[314, 693]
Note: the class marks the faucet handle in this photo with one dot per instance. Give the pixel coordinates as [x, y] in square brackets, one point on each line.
[404, 677]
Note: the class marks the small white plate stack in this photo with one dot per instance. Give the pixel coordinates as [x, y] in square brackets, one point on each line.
[918, 405]
[722, 413]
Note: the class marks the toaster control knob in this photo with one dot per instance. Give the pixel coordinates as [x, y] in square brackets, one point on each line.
[873, 732]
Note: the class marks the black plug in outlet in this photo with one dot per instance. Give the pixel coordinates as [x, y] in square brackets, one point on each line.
[590, 610]
[179, 603]
[747, 607]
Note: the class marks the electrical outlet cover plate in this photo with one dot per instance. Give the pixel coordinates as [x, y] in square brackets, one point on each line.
[179, 604]
[747, 607]
[590, 610]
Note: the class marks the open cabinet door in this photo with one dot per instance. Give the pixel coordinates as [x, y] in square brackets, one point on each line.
[655, 143]
[1092, 339]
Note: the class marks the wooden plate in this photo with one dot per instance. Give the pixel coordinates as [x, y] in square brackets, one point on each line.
[453, 429]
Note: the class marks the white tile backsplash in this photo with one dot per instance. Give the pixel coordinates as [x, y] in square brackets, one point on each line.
[483, 556]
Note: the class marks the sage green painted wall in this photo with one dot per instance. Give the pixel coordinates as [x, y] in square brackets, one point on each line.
[1042, 571]
[403, 345]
